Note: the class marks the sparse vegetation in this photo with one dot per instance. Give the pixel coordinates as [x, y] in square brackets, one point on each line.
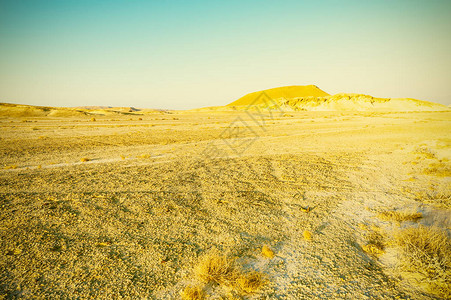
[437, 198]
[399, 216]
[373, 249]
[192, 293]
[217, 268]
[427, 251]
[223, 270]
[440, 169]
[251, 282]
[425, 152]
[374, 243]
[139, 227]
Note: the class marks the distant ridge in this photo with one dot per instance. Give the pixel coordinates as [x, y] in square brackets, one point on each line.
[122, 109]
[92, 107]
[22, 110]
[286, 92]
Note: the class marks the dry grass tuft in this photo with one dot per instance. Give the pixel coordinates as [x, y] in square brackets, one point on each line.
[251, 282]
[425, 152]
[437, 198]
[11, 167]
[220, 269]
[307, 235]
[373, 249]
[84, 159]
[363, 226]
[375, 243]
[93, 119]
[439, 169]
[267, 252]
[399, 216]
[192, 293]
[217, 268]
[427, 251]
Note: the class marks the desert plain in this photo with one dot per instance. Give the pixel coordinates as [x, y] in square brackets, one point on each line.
[289, 205]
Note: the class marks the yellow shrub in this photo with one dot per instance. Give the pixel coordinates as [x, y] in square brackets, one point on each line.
[427, 251]
[217, 268]
[251, 282]
[399, 216]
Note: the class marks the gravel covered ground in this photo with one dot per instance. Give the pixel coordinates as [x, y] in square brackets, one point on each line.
[152, 196]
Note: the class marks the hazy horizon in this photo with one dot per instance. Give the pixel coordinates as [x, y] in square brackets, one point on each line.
[182, 55]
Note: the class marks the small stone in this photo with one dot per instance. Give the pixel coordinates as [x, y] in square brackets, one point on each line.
[267, 252]
[307, 235]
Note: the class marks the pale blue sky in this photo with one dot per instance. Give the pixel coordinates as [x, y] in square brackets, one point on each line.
[187, 54]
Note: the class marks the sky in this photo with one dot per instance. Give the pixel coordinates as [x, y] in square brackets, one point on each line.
[188, 54]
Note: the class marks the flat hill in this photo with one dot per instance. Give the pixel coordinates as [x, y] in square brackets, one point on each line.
[311, 98]
[286, 92]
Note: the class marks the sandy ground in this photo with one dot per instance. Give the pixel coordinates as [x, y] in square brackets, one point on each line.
[160, 192]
